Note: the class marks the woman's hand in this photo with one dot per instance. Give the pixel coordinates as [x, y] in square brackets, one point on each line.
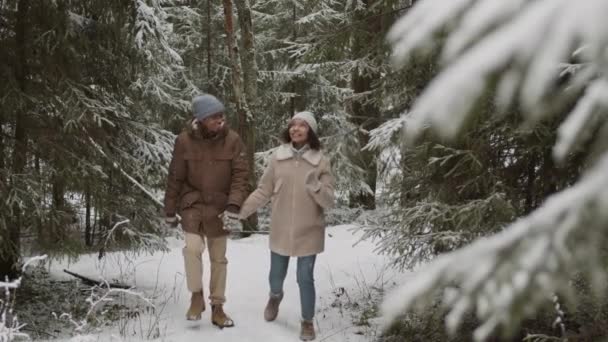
[312, 180]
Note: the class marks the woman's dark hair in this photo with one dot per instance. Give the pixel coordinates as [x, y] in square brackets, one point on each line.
[312, 139]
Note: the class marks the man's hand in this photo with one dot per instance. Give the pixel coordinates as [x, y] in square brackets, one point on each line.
[231, 221]
[171, 221]
[312, 181]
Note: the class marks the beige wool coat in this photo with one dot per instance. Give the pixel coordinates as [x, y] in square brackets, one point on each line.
[297, 223]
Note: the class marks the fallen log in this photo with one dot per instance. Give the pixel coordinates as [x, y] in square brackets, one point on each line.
[94, 282]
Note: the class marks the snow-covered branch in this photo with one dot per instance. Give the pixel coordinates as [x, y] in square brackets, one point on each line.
[125, 174]
[149, 25]
[590, 111]
[523, 43]
[510, 274]
[382, 136]
[542, 55]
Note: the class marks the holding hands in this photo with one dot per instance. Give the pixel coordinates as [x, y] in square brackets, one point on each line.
[171, 221]
[231, 220]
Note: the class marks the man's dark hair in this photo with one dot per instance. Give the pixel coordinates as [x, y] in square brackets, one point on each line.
[312, 139]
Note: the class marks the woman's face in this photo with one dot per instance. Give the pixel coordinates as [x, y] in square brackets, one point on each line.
[298, 131]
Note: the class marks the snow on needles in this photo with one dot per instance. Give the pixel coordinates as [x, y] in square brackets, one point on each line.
[533, 249]
[381, 137]
[588, 113]
[494, 38]
[517, 48]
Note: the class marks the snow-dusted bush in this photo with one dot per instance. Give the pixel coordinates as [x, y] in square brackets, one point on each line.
[10, 328]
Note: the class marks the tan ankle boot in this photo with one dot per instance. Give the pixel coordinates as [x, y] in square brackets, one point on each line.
[197, 306]
[219, 318]
[272, 308]
[307, 332]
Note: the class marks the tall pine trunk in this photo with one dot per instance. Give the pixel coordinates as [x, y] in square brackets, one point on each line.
[248, 61]
[207, 28]
[243, 89]
[88, 237]
[58, 220]
[250, 76]
[2, 156]
[238, 90]
[10, 246]
[292, 63]
[366, 113]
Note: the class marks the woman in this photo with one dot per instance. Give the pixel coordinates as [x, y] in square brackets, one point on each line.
[299, 183]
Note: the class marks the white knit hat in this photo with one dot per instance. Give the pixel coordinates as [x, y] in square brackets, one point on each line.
[307, 117]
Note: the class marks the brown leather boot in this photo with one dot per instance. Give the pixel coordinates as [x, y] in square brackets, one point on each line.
[272, 308]
[197, 306]
[307, 332]
[219, 317]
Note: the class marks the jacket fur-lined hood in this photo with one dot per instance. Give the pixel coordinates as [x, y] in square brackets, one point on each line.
[196, 131]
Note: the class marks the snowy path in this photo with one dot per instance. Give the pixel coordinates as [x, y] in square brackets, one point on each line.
[345, 274]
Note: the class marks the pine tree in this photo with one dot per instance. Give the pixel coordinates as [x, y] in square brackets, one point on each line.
[80, 112]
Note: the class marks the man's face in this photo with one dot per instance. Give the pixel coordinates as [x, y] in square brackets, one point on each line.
[214, 123]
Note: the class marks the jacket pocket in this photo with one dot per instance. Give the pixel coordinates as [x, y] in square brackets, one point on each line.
[192, 156]
[195, 167]
[275, 191]
[223, 161]
[223, 156]
[215, 199]
[188, 199]
[222, 164]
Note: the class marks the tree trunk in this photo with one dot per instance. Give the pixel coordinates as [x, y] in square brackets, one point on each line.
[59, 219]
[42, 233]
[294, 36]
[10, 245]
[250, 77]
[248, 61]
[366, 114]
[208, 23]
[58, 191]
[96, 219]
[240, 92]
[2, 156]
[233, 54]
[88, 239]
[105, 215]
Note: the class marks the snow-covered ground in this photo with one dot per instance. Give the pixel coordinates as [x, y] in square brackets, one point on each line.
[348, 274]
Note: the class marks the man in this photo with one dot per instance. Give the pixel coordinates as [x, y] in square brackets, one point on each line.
[206, 186]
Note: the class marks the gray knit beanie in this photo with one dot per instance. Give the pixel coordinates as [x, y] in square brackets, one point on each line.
[204, 106]
[309, 118]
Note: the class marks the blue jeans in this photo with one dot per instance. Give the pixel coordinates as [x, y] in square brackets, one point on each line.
[305, 276]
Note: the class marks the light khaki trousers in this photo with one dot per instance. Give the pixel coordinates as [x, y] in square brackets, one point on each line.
[193, 253]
